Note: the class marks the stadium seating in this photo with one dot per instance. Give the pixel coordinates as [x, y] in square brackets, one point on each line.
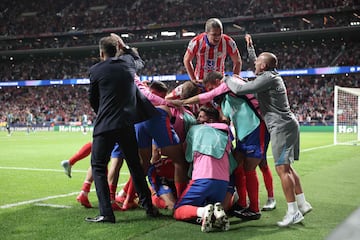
[59, 40]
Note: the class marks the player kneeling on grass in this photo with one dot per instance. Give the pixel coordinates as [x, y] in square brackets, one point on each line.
[209, 151]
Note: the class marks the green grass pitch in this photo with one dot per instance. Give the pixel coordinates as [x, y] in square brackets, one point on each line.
[37, 200]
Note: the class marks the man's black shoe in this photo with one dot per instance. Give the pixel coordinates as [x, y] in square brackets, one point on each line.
[235, 210]
[153, 212]
[101, 219]
[248, 215]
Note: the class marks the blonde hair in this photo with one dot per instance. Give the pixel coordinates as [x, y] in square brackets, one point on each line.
[213, 23]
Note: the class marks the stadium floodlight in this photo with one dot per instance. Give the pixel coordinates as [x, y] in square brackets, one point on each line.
[346, 115]
[188, 34]
[168, 33]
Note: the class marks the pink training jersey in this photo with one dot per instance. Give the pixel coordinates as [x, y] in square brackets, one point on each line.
[206, 166]
[211, 58]
[153, 98]
[179, 125]
[223, 88]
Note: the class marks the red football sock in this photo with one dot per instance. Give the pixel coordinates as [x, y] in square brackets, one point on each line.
[252, 187]
[82, 153]
[126, 187]
[131, 192]
[240, 184]
[268, 180]
[158, 202]
[180, 187]
[185, 212]
[86, 186]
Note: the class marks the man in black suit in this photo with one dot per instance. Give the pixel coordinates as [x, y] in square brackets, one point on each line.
[116, 101]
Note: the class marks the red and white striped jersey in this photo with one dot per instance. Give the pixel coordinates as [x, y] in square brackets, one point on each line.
[211, 58]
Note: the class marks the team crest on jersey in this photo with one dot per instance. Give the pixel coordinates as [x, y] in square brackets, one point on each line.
[210, 65]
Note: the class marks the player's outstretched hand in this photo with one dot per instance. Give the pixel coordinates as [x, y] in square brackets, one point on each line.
[175, 102]
[248, 40]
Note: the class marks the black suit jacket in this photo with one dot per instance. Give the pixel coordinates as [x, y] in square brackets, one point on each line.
[114, 96]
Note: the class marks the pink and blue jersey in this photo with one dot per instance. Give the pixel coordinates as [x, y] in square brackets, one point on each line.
[183, 119]
[208, 148]
[210, 154]
[244, 112]
[153, 98]
[159, 127]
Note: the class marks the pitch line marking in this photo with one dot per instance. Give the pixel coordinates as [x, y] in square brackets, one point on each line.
[37, 200]
[45, 199]
[40, 169]
[311, 149]
[51, 205]
[47, 170]
[74, 193]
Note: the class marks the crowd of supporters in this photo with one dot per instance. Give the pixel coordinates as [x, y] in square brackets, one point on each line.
[58, 24]
[50, 105]
[291, 54]
[311, 99]
[34, 17]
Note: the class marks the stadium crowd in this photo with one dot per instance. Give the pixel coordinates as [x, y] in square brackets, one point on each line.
[51, 27]
[83, 24]
[311, 99]
[60, 16]
[49, 105]
[292, 55]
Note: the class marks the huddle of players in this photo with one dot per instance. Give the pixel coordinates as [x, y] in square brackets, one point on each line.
[219, 150]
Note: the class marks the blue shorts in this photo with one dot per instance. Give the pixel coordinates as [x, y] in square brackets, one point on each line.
[157, 128]
[231, 187]
[256, 143]
[116, 152]
[203, 191]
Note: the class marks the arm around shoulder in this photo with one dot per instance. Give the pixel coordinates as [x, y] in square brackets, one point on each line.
[233, 83]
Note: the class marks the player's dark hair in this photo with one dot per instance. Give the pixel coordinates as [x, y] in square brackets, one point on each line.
[158, 86]
[189, 89]
[210, 77]
[211, 112]
[108, 45]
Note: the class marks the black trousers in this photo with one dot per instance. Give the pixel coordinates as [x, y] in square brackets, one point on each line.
[102, 146]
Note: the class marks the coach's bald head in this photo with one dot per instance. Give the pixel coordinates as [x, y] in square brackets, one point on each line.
[266, 61]
[270, 60]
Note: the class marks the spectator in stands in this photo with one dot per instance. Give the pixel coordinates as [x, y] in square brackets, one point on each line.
[72, 17]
